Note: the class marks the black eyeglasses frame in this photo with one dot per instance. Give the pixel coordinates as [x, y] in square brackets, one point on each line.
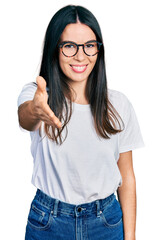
[79, 45]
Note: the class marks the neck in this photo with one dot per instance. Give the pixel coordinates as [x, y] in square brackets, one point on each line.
[78, 92]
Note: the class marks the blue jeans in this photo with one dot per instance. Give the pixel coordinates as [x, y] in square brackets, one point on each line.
[51, 219]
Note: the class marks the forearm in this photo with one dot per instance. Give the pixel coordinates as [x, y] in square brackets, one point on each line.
[127, 199]
[27, 119]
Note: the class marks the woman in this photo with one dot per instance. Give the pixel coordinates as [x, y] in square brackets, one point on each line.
[82, 137]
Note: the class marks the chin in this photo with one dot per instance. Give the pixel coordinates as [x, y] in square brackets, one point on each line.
[78, 78]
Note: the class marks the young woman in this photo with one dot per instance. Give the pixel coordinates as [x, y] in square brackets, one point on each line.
[82, 137]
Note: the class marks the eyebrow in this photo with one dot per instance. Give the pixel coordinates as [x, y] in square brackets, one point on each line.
[93, 40]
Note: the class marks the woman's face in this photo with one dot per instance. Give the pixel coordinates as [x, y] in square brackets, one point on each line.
[78, 67]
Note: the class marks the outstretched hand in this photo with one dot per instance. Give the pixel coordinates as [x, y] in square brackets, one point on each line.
[41, 109]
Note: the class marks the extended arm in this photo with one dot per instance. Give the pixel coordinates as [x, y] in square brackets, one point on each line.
[31, 113]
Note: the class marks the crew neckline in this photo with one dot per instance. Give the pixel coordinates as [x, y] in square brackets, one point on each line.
[81, 107]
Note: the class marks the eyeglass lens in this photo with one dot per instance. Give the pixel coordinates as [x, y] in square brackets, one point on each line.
[70, 49]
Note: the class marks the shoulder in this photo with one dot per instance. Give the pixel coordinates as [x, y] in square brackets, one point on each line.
[30, 86]
[119, 100]
[27, 93]
[115, 95]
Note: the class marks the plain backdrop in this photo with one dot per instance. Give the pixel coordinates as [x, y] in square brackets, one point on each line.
[132, 33]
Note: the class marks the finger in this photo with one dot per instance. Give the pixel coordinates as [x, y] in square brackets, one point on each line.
[50, 119]
[51, 116]
[55, 120]
[49, 122]
[41, 84]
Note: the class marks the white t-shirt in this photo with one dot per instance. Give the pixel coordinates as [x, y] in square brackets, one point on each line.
[84, 168]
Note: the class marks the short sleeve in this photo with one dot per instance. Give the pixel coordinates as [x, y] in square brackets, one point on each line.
[130, 138]
[27, 93]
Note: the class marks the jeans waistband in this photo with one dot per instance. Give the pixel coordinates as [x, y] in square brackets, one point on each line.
[56, 205]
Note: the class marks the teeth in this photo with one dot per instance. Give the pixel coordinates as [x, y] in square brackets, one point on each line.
[79, 68]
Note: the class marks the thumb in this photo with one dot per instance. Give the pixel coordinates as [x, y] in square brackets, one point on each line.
[41, 84]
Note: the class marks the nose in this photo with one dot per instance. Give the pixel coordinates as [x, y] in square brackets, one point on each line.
[80, 54]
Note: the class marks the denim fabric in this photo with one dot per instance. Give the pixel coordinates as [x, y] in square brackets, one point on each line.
[51, 219]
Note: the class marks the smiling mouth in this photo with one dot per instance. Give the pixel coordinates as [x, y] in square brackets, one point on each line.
[79, 68]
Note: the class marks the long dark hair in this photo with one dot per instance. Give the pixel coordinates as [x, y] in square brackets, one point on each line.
[106, 119]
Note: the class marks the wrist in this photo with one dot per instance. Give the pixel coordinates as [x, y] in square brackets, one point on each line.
[34, 116]
[33, 111]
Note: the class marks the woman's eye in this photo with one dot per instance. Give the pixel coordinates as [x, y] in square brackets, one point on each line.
[69, 46]
[89, 45]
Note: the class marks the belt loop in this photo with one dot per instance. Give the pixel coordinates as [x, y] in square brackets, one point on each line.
[55, 207]
[98, 208]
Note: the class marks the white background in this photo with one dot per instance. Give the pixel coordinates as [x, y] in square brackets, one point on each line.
[132, 32]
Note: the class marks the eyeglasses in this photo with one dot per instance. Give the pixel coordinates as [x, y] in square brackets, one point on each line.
[70, 49]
